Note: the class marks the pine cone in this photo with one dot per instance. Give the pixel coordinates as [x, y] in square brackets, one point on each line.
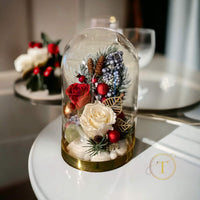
[98, 138]
[99, 65]
[90, 66]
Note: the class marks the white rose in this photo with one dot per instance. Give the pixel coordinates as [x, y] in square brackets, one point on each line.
[23, 62]
[97, 119]
[38, 55]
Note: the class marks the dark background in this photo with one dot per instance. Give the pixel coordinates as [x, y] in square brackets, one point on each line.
[149, 14]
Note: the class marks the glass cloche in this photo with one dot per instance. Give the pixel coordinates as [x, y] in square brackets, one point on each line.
[99, 100]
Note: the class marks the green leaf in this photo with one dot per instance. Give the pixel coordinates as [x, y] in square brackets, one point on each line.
[57, 42]
[36, 82]
[47, 40]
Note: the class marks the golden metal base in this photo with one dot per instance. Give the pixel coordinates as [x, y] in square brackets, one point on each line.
[98, 166]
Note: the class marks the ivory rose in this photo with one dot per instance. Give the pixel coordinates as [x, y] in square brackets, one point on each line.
[23, 62]
[38, 55]
[97, 119]
[34, 57]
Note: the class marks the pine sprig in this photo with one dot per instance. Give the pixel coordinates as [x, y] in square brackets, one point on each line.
[125, 81]
[95, 148]
[106, 51]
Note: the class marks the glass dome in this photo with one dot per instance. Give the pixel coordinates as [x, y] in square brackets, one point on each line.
[99, 100]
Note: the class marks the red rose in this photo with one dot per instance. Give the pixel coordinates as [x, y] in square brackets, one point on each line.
[79, 94]
[53, 48]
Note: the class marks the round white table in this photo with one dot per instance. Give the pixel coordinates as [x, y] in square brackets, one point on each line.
[52, 178]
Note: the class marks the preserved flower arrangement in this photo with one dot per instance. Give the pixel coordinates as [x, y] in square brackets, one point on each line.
[40, 66]
[100, 81]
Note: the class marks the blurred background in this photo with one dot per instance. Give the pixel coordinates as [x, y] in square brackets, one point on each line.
[176, 23]
[177, 26]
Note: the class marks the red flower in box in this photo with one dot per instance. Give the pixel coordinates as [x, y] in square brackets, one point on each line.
[79, 94]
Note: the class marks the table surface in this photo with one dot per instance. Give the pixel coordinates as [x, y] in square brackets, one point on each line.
[52, 178]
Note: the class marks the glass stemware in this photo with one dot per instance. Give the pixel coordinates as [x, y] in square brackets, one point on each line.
[144, 41]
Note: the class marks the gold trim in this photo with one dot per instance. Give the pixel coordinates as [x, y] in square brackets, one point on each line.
[98, 166]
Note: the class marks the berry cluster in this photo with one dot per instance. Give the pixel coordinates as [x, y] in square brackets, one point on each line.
[112, 72]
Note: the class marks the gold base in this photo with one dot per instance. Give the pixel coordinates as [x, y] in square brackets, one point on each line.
[98, 166]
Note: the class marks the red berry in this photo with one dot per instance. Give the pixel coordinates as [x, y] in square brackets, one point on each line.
[31, 44]
[49, 68]
[102, 89]
[38, 45]
[53, 48]
[113, 136]
[57, 64]
[36, 70]
[103, 99]
[81, 78]
[47, 72]
[94, 80]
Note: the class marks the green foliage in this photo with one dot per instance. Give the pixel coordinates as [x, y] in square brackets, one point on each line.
[124, 81]
[47, 40]
[108, 50]
[39, 82]
[36, 82]
[95, 147]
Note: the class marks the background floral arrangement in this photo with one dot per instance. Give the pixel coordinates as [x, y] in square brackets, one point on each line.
[40, 66]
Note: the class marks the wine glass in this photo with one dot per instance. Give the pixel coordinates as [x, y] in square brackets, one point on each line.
[144, 41]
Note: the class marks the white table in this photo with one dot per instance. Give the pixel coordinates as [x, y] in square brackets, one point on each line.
[52, 178]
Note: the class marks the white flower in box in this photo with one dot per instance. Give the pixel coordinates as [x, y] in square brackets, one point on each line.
[38, 55]
[23, 62]
[97, 119]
